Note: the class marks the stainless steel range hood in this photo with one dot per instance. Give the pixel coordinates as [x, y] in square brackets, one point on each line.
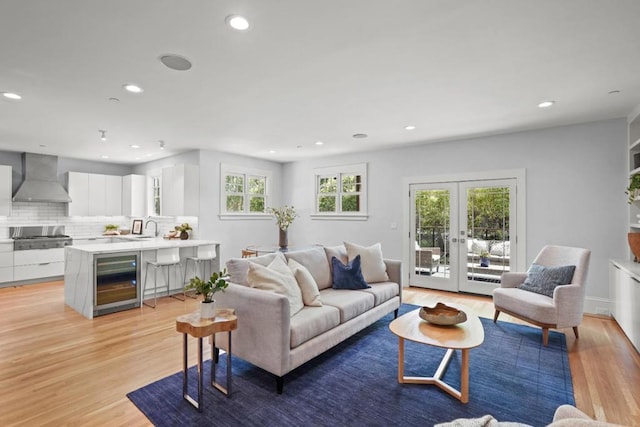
[40, 180]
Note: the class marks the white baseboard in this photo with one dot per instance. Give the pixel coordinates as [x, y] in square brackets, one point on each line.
[599, 306]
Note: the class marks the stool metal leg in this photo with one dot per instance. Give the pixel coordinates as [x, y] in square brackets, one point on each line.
[184, 294]
[144, 287]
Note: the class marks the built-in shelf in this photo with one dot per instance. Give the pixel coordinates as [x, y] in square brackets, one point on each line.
[634, 225]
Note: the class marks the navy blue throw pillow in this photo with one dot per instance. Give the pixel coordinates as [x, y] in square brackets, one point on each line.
[348, 276]
[543, 280]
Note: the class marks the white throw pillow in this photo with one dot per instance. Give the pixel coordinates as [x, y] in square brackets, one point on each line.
[307, 284]
[372, 263]
[276, 277]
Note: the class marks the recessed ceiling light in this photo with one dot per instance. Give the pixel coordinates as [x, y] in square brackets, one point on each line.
[133, 88]
[104, 157]
[360, 135]
[409, 127]
[43, 146]
[613, 92]
[149, 154]
[134, 146]
[103, 135]
[161, 144]
[175, 62]
[546, 104]
[319, 143]
[11, 95]
[114, 100]
[298, 146]
[272, 151]
[238, 22]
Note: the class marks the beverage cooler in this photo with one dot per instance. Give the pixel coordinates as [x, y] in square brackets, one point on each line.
[116, 282]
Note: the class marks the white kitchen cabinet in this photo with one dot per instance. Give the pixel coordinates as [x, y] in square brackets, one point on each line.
[134, 195]
[624, 292]
[97, 194]
[6, 262]
[38, 263]
[91, 241]
[113, 193]
[5, 190]
[94, 194]
[78, 188]
[180, 190]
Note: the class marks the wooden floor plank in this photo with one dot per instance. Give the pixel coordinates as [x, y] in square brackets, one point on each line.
[58, 368]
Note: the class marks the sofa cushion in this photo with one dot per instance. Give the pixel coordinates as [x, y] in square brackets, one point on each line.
[276, 277]
[239, 267]
[308, 286]
[315, 260]
[311, 322]
[339, 252]
[543, 280]
[373, 267]
[348, 276]
[383, 291]
[350, 303]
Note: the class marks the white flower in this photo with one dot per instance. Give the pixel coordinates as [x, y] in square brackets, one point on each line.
[284, 215]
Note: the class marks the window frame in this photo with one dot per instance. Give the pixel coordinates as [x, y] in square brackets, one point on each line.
[247, 174]
[339, 172]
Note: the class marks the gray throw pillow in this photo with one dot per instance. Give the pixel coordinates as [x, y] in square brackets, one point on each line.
[543, 280]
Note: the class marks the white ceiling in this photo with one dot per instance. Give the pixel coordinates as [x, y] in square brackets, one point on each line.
[307, 70]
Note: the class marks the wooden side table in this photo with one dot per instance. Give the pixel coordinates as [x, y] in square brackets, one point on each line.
[192, 324]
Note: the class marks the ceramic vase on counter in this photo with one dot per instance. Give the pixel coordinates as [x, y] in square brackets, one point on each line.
[283, 240]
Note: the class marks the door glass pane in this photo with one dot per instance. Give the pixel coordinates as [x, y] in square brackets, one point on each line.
[488, 246]
[432, 227]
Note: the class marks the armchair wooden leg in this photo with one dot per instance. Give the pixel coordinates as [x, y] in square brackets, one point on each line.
[279, 384]
[575, 332]
[395, 313]
[545, 336]
[495, 316]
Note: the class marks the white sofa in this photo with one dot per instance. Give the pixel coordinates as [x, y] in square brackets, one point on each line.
[268, 337]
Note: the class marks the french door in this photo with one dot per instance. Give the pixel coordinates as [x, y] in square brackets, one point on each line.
[463, 234]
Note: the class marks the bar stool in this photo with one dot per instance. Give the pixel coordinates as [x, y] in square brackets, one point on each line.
[166, 257]
[205, 253]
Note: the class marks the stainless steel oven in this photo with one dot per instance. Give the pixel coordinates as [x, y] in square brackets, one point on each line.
[116, 282]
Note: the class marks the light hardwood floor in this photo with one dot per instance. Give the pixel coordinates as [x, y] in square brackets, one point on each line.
[58, 368]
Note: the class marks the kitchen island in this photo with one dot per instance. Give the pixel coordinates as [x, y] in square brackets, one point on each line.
[130, 256]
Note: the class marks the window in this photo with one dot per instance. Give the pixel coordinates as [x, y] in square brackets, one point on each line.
[244, 191]
[340, 192]
[156, 191]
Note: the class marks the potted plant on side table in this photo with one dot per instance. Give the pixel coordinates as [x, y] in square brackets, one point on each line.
[217, 282]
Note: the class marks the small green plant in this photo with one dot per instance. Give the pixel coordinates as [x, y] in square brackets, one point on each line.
[111, 227]
[484, 254]
[633, 185]
[183, 227]
[217, 282]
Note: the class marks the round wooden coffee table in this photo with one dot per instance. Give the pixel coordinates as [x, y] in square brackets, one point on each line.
[463, 336]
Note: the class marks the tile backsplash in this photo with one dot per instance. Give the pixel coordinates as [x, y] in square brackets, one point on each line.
[33, 213]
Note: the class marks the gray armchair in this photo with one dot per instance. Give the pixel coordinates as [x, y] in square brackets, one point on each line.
[563, 310]
[427, 258]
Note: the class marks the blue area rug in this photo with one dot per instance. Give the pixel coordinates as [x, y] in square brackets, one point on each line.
[511, 376]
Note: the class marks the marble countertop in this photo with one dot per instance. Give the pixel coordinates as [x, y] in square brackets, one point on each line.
[140, 245]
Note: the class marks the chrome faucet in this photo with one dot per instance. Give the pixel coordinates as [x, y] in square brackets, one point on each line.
[154, 223]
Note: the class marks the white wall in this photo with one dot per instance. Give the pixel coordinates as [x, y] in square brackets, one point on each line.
[235, 235]
[575, 190]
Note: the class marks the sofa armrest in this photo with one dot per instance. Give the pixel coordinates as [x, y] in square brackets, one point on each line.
[512, 279]
[263, 334]
[394, 271]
